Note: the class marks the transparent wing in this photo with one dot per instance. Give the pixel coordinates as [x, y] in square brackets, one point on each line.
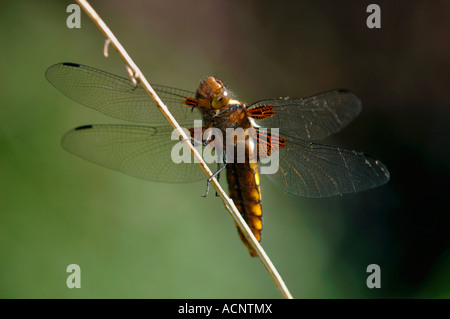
[117, 96]
[314, 170]
[310, 119]
[139, 151]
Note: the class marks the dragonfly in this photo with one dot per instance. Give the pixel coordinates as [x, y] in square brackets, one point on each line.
[305, 167]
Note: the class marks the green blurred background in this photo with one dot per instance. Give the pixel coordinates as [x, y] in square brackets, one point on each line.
[138, 239]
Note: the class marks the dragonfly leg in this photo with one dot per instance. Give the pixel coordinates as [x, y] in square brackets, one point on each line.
[106, 47]
[133, 75]
[220, 168]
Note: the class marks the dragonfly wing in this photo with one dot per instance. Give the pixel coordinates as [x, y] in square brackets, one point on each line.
[315, 170]
[139, 151]
[310, 119]
[117, 97]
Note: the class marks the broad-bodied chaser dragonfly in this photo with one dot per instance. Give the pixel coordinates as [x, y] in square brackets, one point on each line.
[306, 168]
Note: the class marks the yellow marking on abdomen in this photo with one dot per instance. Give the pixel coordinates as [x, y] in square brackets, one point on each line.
[243, 183]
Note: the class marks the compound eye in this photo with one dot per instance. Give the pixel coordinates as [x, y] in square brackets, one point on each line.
[221, 100]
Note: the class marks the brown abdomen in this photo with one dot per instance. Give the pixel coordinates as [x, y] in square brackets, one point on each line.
[243, 184]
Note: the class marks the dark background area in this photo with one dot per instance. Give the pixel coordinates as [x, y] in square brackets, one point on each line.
[138, 239]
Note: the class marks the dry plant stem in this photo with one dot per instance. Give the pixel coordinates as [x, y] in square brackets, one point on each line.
[228, 203]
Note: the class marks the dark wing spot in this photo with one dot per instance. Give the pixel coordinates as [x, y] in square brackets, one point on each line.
[75, 65]
[84, 127]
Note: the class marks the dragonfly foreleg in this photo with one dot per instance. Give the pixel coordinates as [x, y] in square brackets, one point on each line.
[220, 168]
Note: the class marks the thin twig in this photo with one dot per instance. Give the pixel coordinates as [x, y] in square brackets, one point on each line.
[228, 203]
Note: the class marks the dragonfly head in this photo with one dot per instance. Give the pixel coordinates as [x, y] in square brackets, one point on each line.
[212, 94]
